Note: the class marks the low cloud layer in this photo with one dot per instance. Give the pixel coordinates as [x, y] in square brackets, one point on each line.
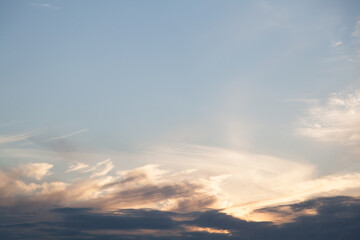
[144, 187]
[242, 190]
[337, 217]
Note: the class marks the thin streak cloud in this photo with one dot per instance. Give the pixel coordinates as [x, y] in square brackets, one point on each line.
[67, 135]
[44, 5]
[14, 138]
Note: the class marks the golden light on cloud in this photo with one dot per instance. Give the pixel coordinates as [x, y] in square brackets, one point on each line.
[237, 182]
[284, 214]
[208, 230]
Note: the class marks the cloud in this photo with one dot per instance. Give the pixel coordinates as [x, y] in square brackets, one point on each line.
[35, 170]
[67, 135]
[77, 166]
[236, 182]
[147, 186]
[148, 173]
[337, 44]
[335, 218]
[356, 32]
[336, 121]
[44, 5]
[14, 138]
[154, 200]
[250, 176]
[16, 192]
[101, 169]
[330, 185]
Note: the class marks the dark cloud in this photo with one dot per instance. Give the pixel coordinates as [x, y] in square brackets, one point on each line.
[336, 218]
[119, 220]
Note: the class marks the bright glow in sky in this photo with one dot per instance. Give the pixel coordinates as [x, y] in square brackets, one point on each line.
[183, 107]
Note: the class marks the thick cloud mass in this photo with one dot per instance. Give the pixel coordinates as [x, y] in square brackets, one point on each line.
[335, 218]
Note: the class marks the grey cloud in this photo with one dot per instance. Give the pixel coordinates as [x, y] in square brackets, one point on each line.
[337, 218]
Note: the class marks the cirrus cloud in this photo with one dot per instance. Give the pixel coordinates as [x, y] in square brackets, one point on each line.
[336, 121]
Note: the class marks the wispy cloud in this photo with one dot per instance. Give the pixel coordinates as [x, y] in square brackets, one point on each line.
[336, 121]
[101, 169]
[77, 166]
[67, 135]
[14, 138]
[44, 5]
[356, 32]
[330, 185]
[302, 100]
[337, 44]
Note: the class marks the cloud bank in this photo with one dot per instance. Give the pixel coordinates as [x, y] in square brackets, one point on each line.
[337, 217]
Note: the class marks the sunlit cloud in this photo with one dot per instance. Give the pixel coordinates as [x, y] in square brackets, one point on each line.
[14, 138]
[34, 170]
[147, 187]
[238, 183]
[14, 191]
[250, 176]
[207, 230]
[101, 168]
[331, 185]
[77, 166]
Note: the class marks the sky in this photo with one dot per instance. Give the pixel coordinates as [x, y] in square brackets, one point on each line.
[179, 119]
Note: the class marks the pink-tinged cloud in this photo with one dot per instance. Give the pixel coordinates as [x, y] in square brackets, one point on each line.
[34, 170]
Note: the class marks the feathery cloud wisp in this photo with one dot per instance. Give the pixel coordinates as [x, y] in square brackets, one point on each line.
[44, 5]
[337, 120]
[67, 135]
[78, 166]
[14, 138]
[356, 32]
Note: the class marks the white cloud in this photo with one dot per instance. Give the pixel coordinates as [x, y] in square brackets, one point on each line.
[337, 121]
[78, 166]
[101, 169]
[149, 173]
[67, 135]
[337, 44]
[44, 5]
[356, 32]
[35, 170]
[14, 138]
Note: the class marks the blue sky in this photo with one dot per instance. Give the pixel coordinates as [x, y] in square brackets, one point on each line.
[215, 94]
